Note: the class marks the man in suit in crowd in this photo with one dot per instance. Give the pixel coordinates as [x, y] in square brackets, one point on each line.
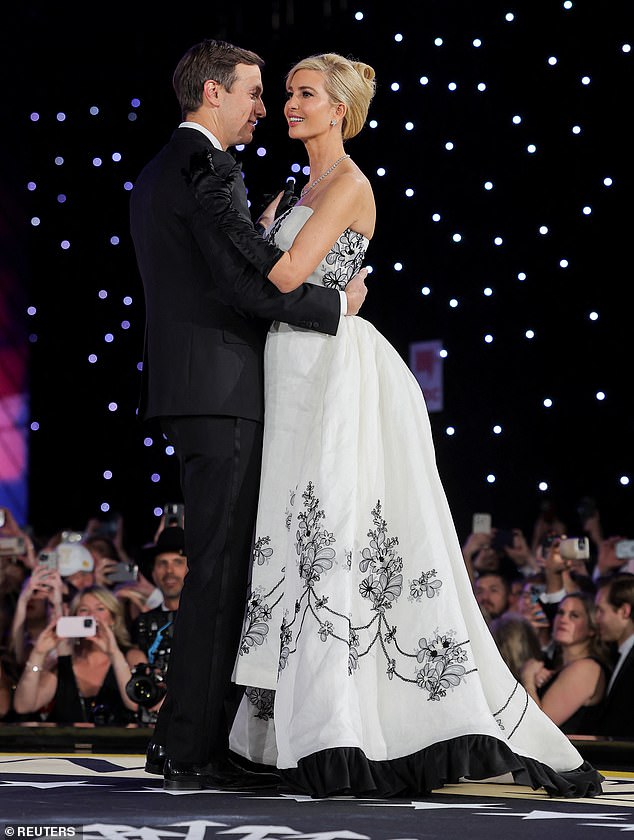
[614, 602]
[207, 311]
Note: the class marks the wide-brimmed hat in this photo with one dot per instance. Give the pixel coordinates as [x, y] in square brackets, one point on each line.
[171, 540]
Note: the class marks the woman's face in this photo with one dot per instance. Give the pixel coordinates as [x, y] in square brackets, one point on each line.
[571, 624]
[91, 605]
[308, 108]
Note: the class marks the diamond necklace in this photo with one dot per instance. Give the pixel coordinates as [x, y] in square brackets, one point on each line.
[306, 190]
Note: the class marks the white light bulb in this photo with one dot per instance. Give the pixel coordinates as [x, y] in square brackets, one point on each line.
[488, 291]
[498, 240]
[453, 303]
[600, 395]
[585, 80]
[380, 171]
[424, 80]
[488, 339]
[624, 480]
[409, 192]
[531, 148]
[398, 37]
[488, 185]
[398, 266]
[358, 15]
[497, 430]
[563, 263]
[552, 60]
[395, 86]
[481, 86]
[425, 291]
[543, 230]
[529, 334]
[477, 42]
[449, 146]
[548, 403]
[438, 42]
[373, 123]
[593, 316]
[457, 237]
[409, 126]
[576, 129]
[608, 182]
[491, 478]
[452, 86]
[543, 485]
[517, 119]
[450, 431]
[509, 16]
[435, 217]
[521, 276]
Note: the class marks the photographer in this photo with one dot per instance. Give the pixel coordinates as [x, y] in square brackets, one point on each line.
[88, 682]
[165, 564]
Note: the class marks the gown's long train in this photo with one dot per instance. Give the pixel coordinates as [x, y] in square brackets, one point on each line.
[362, 637]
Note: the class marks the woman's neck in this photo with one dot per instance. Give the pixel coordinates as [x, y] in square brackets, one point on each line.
[322, 154]
[570, 653]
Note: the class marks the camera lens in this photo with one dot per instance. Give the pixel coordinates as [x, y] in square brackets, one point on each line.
[88, 622]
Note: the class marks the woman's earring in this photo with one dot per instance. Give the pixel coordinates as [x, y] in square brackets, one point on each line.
[333, 122]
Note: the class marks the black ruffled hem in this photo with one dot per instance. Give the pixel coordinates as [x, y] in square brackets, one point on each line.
[347, 771]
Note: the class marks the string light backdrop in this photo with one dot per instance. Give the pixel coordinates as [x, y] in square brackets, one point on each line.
[502, 175]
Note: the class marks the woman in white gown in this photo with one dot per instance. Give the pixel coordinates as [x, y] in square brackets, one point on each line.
[368, 665]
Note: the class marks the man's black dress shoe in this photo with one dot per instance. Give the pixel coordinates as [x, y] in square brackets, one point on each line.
[223, 775]
[155, 759]
[178, 775]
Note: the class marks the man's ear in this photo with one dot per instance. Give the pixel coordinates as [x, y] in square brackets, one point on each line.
[626, 611]
[211, 92]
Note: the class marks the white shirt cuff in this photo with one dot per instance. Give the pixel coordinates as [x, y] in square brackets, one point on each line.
[552, 597]
[344, 303]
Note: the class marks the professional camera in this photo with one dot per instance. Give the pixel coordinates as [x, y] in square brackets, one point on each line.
[146, 685]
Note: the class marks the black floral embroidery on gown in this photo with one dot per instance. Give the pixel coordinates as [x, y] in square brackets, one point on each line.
[440, 657]
[344, 260]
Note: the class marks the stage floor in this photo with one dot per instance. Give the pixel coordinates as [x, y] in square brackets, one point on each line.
[110, 796]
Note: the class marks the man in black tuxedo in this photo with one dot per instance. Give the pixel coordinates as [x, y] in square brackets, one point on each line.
[614, 610]
[207, 312]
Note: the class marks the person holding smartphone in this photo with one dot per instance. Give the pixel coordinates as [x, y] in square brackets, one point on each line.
[86, 682]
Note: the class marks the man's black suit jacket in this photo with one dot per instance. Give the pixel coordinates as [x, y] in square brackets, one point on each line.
[207, 308]
[617, 710]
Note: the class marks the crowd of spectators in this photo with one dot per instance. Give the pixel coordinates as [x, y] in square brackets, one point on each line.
[560, 608]
[561, 611]
[85, 628]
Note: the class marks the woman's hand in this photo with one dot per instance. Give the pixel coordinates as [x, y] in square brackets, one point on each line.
[105, 638]
[535, 674]
[48, 640]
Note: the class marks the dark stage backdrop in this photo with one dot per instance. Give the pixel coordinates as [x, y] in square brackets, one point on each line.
[502, 173]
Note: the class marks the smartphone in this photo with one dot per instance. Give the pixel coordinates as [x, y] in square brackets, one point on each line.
[76, 626]
[48, 559]
[481, 523]
[502, 540]
[624, 549]
[575, 548]
[174, 515]
[12, 546]
[3, 518]
[123, 573]
[535, 593]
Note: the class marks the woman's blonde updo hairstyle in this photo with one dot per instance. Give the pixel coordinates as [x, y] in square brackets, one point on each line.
[350, 82]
